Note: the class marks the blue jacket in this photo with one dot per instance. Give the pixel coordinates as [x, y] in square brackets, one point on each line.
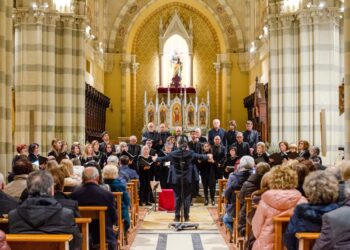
[117, 185]
[189, 172]
[306, 218]
[127, 173]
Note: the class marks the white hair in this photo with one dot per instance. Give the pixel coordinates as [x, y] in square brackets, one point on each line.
[246, 162]
[143, 149]
[110, 172]
[90, 173]
[113, 160]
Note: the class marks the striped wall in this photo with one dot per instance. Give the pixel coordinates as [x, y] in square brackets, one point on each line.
[49, 65]
[347, 77]
[6, 61]
[305, 72]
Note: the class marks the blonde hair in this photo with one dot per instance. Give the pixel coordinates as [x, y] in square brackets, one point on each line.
[262, 145]
[266, 179]
[67, 165]
[110, 172]
[283, 177]
[321, 187]
[143, 149]
[344, 170]
[85, 153]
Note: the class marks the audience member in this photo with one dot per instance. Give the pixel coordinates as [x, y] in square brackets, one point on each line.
[71, 180]
[279, 200]
[335, 231]
[336, 171]
[41, 213]
[125, 172]
[302, 171]
[51, 164]
[7, 203]
[244, 161]
[293, 148]
[91, 194]
[21, 170]
[3, 243]
[110, 176]
[321, 189]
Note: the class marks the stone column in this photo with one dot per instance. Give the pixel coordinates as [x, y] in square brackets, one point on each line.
[217, 67]
[226, 91]
[134, 68]
[347, 77]
[125, 94]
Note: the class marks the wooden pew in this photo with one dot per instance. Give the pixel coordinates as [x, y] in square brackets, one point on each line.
[221, 199]
[136, 199]
[248, 207]
[279, 222]
[118, 198]
[306, 240]
[96, 213]
[83, 223]
[237, 240]
[39, 241]
[131, 191]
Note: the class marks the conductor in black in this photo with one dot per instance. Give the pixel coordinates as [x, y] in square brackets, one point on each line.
[181, 176]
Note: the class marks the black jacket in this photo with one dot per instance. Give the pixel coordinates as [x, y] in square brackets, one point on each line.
[91, 194]
[7, 203]
[44, 215]
[252, 137]
[67, 202]
[189, 171]
[230, 137]
[242, 149]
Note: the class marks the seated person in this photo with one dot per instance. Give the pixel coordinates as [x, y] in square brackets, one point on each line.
[41, 213]
[335, 231]
[308, 217]
[279, 200]
[125, 172]
[110, 176]
[21, 169]
[71, 180]
[3, 243]
[91, 194]
[7, 203]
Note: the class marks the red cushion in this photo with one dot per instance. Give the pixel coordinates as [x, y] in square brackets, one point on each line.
[166, 200]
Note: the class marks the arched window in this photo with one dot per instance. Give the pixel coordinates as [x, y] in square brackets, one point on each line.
[176, 60]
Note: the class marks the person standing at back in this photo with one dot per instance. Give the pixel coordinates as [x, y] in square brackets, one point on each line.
[251, 136]
[231, 134]
[216, 131]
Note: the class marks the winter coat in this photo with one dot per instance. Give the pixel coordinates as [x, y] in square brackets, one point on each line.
[306, 218]
[44, 215]
[335, 232]
[16, 187]
[273, 203]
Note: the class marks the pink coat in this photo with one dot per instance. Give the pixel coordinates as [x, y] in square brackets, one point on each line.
[273, 203]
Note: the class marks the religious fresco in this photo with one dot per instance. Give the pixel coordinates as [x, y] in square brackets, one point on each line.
[150, 112]
[176, 115]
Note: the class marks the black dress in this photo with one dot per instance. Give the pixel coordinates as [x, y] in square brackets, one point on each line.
[230, 162]
[207, 172]
[145, 177]
[219, 156]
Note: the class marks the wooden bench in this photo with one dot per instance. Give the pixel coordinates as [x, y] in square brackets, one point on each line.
[118, 199]
[237, 240]
[306, 240]
[39, 241]
[279, 222]
[96, 213]
[248, 207]
[136, 199]
[221, 199]
[83, 223]
[132, 210]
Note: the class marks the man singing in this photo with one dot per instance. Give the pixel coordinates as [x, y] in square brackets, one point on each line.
[183, 172]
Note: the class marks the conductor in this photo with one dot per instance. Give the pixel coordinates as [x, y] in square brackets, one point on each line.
[181, 176]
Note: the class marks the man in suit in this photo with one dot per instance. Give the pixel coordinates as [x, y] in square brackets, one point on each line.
[242, 146]
[7, 203]
[251, 136]
[91, 194]
[216, 130]
[164, 134]
[105, 138]
[151, 134]
[135, 150]
[182, 174]
[196, 146]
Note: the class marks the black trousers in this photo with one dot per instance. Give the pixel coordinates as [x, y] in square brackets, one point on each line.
[209, 184]
[186, 201]
[145, 187]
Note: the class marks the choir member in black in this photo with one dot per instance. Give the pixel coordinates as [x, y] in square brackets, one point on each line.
[64, 151]
[219, 156]
[231, 161]
[303, 147]
[22, 153]
[179, 136]
[135, 150]
[208, 175]
[152, 151]
[75, 152]
[96, 146]
[165, 166]
[201, 138]
[122, 149]
[242, 146]
[231, 134]
[279, 157]
[283, 146]
[196, 146]
[144, 163]
[251, 136]
[56, 146]
[315, 155]
[105, 140]
[33, 151]
[153, 135]
[164, 134]
[171, 140]
[107, 153]
[260, 155]
[88, 154]
[216, 131]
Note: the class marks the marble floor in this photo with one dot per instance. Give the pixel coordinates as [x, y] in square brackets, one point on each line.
[154, 234]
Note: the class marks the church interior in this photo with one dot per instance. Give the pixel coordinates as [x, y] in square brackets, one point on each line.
[122, 86]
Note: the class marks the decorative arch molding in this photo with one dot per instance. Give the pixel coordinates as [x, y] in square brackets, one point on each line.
[232, 34]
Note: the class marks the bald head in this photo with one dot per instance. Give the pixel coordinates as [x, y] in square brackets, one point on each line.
[90, 174]
[150, 127]
[216, 123]
[133, 140]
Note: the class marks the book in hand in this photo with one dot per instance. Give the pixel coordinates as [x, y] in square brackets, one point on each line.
[131, 157]
[145, 162]
[292, 155]
[259, 159]
[230, 168]
[275, 159]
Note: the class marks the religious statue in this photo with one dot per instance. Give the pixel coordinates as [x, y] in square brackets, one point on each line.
[190, 116]
[177, 70]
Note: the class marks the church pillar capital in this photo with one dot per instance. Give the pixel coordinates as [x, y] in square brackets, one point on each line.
[217, 67]
[125, 67]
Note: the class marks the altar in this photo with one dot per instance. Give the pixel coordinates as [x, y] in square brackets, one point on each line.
[177, 107]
